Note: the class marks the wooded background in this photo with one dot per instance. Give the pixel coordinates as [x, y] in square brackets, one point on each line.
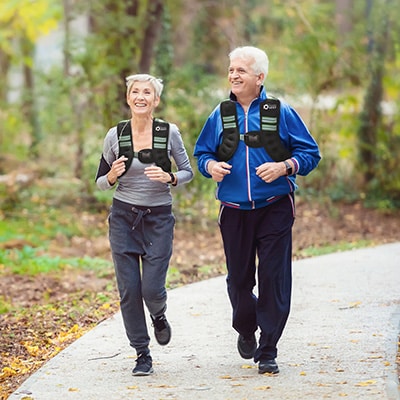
[337, 62]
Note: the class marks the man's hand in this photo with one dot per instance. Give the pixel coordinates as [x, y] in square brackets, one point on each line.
[270, 171]
[218, 170]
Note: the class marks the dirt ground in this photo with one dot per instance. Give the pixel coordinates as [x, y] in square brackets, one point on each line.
[194, 247]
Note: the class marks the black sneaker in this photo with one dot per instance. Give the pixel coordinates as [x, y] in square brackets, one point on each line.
[268, 367]
[162, 330]
[144, 365]
[247, 346]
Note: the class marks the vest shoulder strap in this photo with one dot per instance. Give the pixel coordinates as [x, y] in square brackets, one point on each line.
[230, 133]
[270, 111]
[160, 144]
[125, 146]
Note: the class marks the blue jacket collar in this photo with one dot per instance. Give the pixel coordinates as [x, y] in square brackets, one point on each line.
[262, 96]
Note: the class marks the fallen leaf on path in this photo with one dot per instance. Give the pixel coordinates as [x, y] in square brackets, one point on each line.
[366, 383]
[262, 388]
[354, 304]
[163, 386]
[247, 366]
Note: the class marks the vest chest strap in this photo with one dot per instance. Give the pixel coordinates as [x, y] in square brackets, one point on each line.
[268, 136]
[158, 154]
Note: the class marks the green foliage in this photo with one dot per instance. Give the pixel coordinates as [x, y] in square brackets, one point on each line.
[76, 106]
[14, 137]
[5, 305]
[29, 261]
[34, 21]
[36, 227]
[343, 246]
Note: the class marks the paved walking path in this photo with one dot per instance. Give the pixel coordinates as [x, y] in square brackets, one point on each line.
[340, 341]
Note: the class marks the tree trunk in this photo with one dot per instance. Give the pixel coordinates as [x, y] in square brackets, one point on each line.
[154, 23]
[29, 98]
[344, 10]
[74, 99]
[4, 69]
[371, 115]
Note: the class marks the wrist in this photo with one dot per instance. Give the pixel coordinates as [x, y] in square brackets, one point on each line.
[172, 180]
[110, 180]
[288, 168]
[210, 165]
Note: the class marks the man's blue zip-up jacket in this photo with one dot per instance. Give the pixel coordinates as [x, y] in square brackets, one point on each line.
[242, 188]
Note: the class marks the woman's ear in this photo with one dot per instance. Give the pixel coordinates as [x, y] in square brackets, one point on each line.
[156, 101]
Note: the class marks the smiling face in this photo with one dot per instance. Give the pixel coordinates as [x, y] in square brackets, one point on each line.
[142, 98]
[245, 84]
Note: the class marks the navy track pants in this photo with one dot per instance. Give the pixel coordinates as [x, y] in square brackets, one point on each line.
[264, 234]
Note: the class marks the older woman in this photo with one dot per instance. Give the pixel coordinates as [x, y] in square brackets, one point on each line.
[136, 156]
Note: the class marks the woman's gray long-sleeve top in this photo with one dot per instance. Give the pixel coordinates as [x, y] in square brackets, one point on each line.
[134, 187]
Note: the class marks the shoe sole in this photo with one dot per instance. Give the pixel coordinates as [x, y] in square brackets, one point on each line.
[268, 373]
[142, 373]
[163, 343]
[246, 356]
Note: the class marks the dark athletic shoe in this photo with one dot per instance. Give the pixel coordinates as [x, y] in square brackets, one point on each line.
[247, 346]
[144, 365]
[268, 367]
[162, 330]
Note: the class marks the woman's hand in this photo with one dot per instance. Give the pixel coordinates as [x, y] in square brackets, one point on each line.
[117, 169]
[155, 173]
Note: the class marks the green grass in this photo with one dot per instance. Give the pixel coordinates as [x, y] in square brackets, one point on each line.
[36, 229]
[5, 306]
[342, 246]
[30, 261]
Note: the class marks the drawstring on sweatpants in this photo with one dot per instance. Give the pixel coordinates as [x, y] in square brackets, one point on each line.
[139, 219]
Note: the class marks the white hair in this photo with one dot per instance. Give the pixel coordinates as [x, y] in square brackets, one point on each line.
[155, 82]
[259, 57]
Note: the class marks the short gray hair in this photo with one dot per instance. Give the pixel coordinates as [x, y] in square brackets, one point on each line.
[260, 58]
[156, 82]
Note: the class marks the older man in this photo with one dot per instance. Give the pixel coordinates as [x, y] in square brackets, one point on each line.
[253, 146]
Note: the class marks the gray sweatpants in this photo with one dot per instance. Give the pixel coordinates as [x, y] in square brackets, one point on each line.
[141, 246]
